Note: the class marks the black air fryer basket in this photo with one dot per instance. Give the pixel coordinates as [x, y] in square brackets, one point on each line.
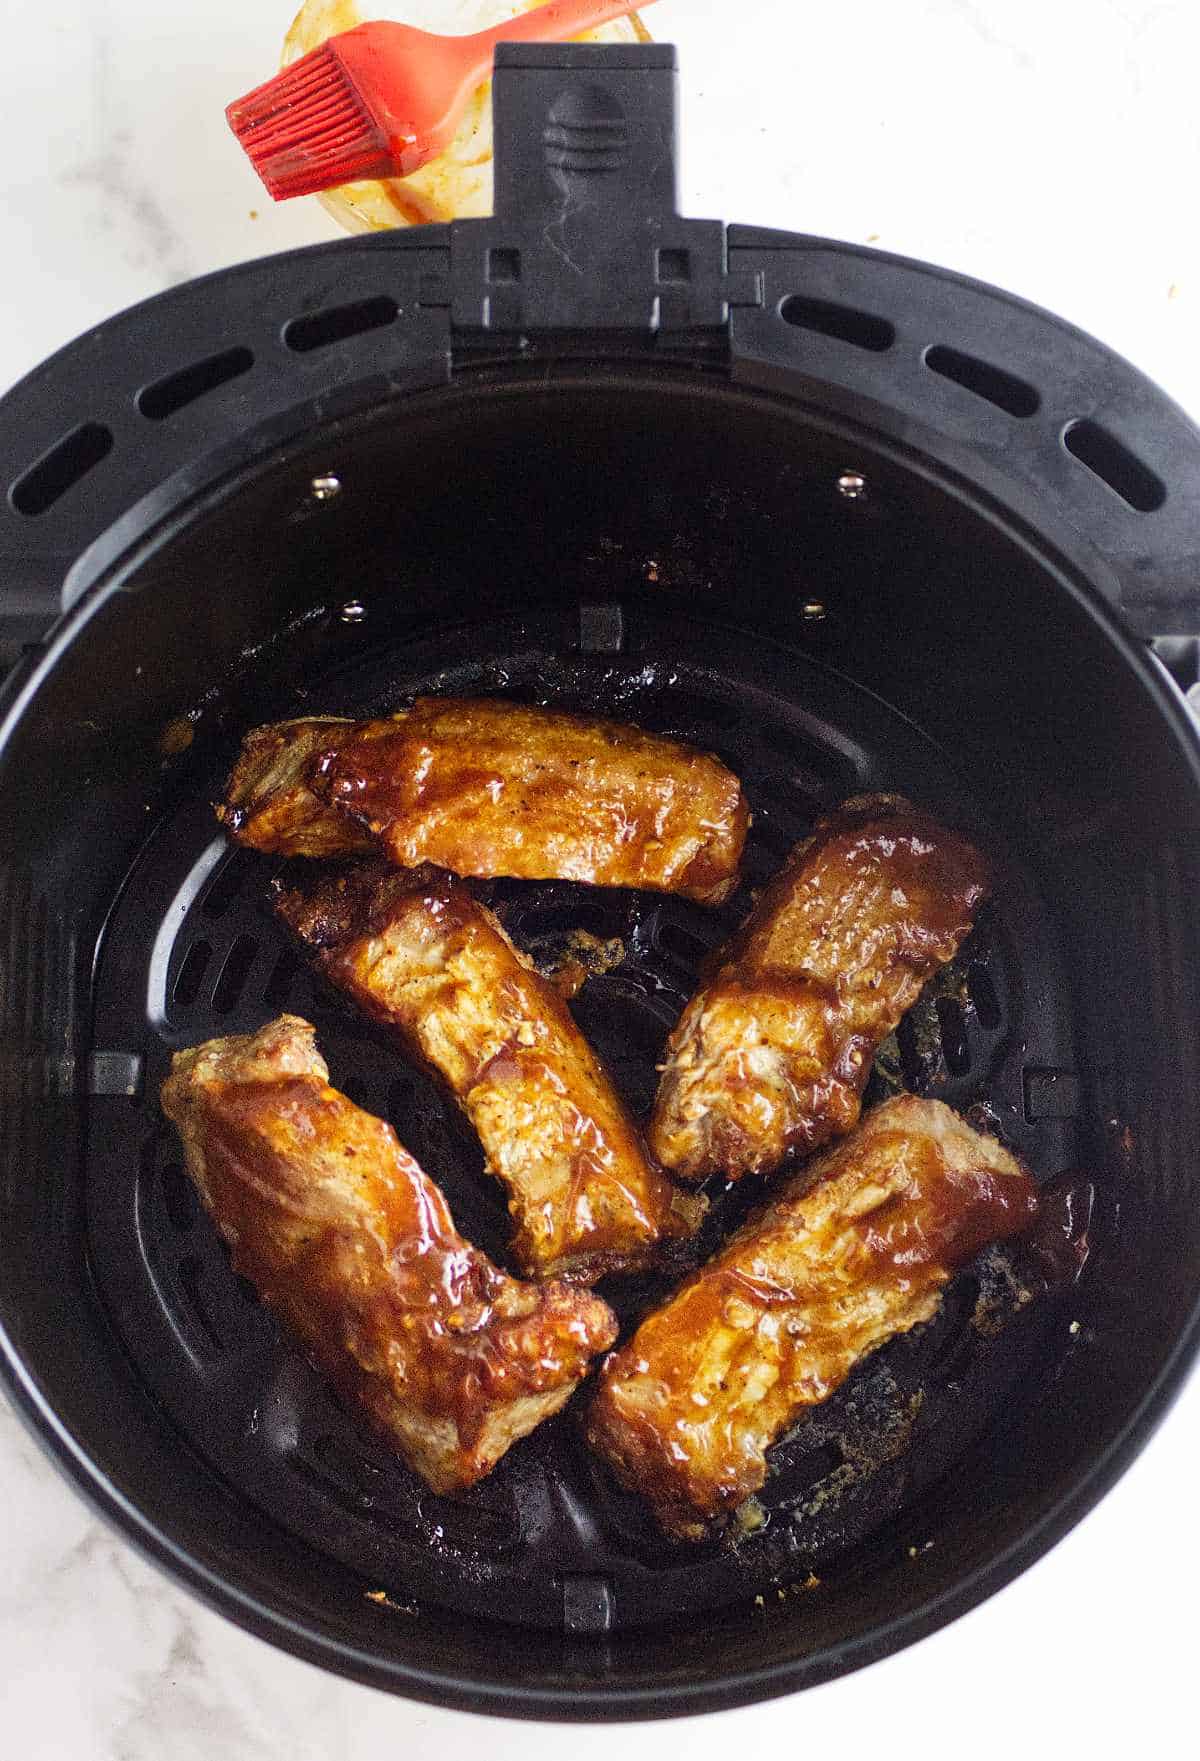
[848, 521]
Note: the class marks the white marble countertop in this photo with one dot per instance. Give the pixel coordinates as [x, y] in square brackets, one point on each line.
[1050, 147]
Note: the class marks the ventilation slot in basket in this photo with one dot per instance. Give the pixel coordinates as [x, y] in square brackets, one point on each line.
[166, 396]
[351, 1499]
[191, 1274]
[234, 974]
[225, 887]
[843, 323]
[983, 997]
[793, 1478]
[278, 987]
[317, 330]
[179, 1197]
[913, 1068]
[1104, 456]
[682, 944]
[191, 975]
[993, 384]
[953, 1034]
[61, 468]
[952, 1339]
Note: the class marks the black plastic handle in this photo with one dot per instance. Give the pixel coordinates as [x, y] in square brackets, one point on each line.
[585, 233]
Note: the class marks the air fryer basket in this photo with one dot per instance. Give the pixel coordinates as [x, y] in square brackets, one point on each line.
[808, 507]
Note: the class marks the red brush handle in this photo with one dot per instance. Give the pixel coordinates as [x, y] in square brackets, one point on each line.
[555, 22]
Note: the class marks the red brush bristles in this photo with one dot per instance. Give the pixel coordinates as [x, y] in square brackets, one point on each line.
[383, 99]
[307, 129]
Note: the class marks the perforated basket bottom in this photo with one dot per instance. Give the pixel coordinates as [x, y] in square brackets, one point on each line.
[193, 951]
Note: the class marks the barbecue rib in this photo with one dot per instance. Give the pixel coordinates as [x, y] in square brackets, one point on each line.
[490, 788]
[416, 952]
[772, 1054]
[354, 1248]
[850, 1252]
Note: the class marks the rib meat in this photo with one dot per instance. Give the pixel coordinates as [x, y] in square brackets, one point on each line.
[416, 952]
[355, 1249]
[852, 1251]
[486, 788]
[771, 1055]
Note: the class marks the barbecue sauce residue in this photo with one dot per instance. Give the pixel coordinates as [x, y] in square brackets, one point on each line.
[1058, 1245]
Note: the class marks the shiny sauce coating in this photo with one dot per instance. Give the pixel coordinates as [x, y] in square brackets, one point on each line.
[771, 1056]
[355, 1249]
[484, 787]
[417, 953]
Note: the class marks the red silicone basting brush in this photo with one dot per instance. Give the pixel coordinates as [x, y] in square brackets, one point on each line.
[382, 100]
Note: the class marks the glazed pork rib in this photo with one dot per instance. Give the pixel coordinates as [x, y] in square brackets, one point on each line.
[487, 788]
[771, 1055]
[850, 1252]
[417, 953]
[355, 1250]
